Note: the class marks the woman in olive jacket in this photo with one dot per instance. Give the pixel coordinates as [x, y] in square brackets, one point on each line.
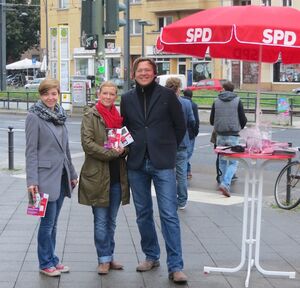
[103, 179]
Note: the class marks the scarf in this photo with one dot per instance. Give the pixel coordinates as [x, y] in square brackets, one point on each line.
[111, 116]
[57, 117]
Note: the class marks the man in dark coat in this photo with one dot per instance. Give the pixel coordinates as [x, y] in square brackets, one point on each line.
[154, 117]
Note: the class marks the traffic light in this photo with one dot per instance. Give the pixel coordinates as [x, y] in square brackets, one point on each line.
[92, 25]
[112, 21]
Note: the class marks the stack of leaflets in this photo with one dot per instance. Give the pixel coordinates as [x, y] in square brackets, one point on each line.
[37, 205]
[118, 137]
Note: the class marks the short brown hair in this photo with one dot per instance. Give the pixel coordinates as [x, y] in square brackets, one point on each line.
[173, 83]
[48, 84]
[144, 59]
[228, 86]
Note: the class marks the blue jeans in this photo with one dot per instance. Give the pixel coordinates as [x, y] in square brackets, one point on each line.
[227, 167]
[47, 231]
[190, 150]
[165, 187]
[105, 225]
[181, 168]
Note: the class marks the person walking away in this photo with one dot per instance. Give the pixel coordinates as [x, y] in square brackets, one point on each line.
[154, 117]
[49, 169]
[192, 130]
[228, 118]
[103, 183]
[182, 152]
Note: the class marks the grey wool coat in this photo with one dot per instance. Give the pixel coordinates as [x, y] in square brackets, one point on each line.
[47, 155]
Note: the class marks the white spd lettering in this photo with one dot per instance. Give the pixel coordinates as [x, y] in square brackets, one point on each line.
[276, 36]
[195, 34]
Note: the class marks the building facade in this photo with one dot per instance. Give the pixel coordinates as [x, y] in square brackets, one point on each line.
[66, 57]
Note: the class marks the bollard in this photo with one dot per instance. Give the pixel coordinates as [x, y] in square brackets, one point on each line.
[10, 148]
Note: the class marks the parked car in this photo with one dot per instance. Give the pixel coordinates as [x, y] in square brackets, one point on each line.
[35, 83]
[297, 90]
[208, 84]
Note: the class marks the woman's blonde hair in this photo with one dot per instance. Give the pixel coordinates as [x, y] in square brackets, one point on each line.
[107, 84]
[48, 84]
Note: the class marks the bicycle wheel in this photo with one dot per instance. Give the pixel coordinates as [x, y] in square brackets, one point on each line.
[287, 186]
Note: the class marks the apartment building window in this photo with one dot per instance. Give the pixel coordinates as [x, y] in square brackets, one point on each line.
[81, 66]
[135, 27]
[286, 2]
[164, 21]
[63, 4]
[163, 65]
[181, 66]
[135, 1]
[267, 2]
[241, 2]
[286, 73]
[201, 70]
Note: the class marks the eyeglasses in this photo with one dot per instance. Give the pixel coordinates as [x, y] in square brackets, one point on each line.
[146, 70]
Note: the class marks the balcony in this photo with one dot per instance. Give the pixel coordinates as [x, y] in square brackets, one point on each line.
[157, 6]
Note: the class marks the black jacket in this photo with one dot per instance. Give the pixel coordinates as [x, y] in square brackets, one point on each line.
[158, 135]
[193, 130]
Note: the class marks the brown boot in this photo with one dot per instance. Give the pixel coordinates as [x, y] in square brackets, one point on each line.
[178, 277]
[147, 265]
[116, 266]
[103, 268]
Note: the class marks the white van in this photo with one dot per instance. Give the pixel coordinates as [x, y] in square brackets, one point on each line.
[162, 79]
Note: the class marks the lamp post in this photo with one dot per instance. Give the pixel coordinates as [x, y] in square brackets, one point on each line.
[127, 47]
[144, 23]
[47, 37]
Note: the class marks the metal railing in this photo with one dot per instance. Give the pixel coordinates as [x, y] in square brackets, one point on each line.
[22, 100]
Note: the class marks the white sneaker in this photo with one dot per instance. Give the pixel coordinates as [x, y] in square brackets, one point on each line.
[181, 207]
[62, 268]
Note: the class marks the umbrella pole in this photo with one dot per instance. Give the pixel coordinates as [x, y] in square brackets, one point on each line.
[258, 109]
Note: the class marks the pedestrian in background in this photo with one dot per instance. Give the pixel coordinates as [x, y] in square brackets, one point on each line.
[154, 117]
[103, 181]
[49, 168]
[182, 151]
[192, 130]
[228, 118]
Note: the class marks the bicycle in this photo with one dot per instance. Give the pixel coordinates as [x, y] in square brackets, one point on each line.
[287, 190]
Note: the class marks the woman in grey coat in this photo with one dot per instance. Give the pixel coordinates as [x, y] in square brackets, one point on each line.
[49, 168]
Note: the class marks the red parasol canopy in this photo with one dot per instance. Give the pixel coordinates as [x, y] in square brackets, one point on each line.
[250, 33]
[236, 32]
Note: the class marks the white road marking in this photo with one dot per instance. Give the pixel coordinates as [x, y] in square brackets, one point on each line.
[203, 134]
[210, 197]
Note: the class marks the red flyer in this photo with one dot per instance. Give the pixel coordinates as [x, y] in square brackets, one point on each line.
[37, 205]
[118, 138]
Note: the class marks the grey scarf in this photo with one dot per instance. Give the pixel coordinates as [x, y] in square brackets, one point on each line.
[57, 117]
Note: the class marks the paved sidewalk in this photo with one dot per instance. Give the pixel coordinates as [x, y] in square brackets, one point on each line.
[211, 235]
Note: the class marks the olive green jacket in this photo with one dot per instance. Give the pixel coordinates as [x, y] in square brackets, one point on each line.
[94, 181]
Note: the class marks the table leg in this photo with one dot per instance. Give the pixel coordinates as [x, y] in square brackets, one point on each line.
[258, 231]
[208, 269]
[251, 240]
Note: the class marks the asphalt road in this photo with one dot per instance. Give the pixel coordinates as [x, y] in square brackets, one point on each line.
[203, 162]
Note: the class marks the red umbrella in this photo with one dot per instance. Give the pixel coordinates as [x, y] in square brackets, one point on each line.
[250, 33]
